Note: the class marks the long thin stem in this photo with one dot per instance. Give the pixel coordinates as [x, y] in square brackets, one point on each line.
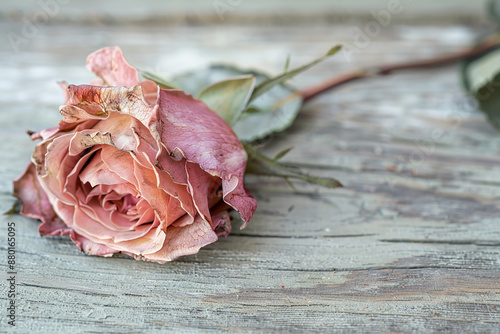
[313, 91]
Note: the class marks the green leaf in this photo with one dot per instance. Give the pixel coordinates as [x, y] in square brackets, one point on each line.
[156, 79]
[282, 154]
[493, 10]
[194, 82]
[287, 64]
[273, 116]
[483, 70]
[229, 97]
[481, 78]
[273, 111]
[16, 208]
[261, 165]
[268, 84]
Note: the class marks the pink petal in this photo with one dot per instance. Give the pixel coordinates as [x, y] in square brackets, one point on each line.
[80, 141]
[150, 91]
[110, 64]
[129, 134]
[36, 204]
[188, 126]
[122, 112]
[90, 247]
[45, 134]
[53, 167]
[182, 241]
[100, 230]
[157, 191]
[64, 88]
[96, 173]
[203, 188]
[73, 184]
[94, 102]
[176, 168]
[183, 221]
[120, 163]
[149, 243]
[221, 224]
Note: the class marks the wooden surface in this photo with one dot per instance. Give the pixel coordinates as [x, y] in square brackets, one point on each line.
[411, 244]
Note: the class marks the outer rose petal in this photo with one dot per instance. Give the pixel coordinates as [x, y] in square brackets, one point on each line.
[109, 64]
[90, 247]
[188, 126]
[182, 241]
[96, 103]
[36, 203]
[64, 88]
[221, 224]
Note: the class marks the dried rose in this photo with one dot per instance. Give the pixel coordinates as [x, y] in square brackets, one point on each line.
[134, 168]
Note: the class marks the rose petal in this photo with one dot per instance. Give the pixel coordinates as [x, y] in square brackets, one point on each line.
[148, 243]
[36, 204]
[157, 189]
[115, 220]
[95, 229]
[122, 112]
[221, 224]
[183, 221]
[175, 168]
[182, 241]
[73, 185]
[64, 88]
[121, 163]
[90, 247]
[203, 188]
[45, 134]
[110, 64]
[53, 167]
[94, 102]
[188, 126]
[150, 90]
[97, 173]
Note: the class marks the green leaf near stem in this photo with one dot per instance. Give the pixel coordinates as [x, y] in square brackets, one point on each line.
[481, 78]
[228, 98]
[158, 80]
[282, 154]
[270, 83]
[16, 208]
[259, 164]
[267, 115]
[287, 64]
[493, 10]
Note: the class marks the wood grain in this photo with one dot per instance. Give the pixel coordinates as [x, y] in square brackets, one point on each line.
[411, 244]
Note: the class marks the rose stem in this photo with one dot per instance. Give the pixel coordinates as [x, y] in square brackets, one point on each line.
[313, 91]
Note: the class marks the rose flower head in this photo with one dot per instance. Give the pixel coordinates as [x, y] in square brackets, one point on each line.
[135, 169]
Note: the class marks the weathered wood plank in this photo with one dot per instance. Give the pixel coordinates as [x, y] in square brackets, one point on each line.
[412, 243]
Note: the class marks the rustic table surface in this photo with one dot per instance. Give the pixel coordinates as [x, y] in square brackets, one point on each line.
[412, 243]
